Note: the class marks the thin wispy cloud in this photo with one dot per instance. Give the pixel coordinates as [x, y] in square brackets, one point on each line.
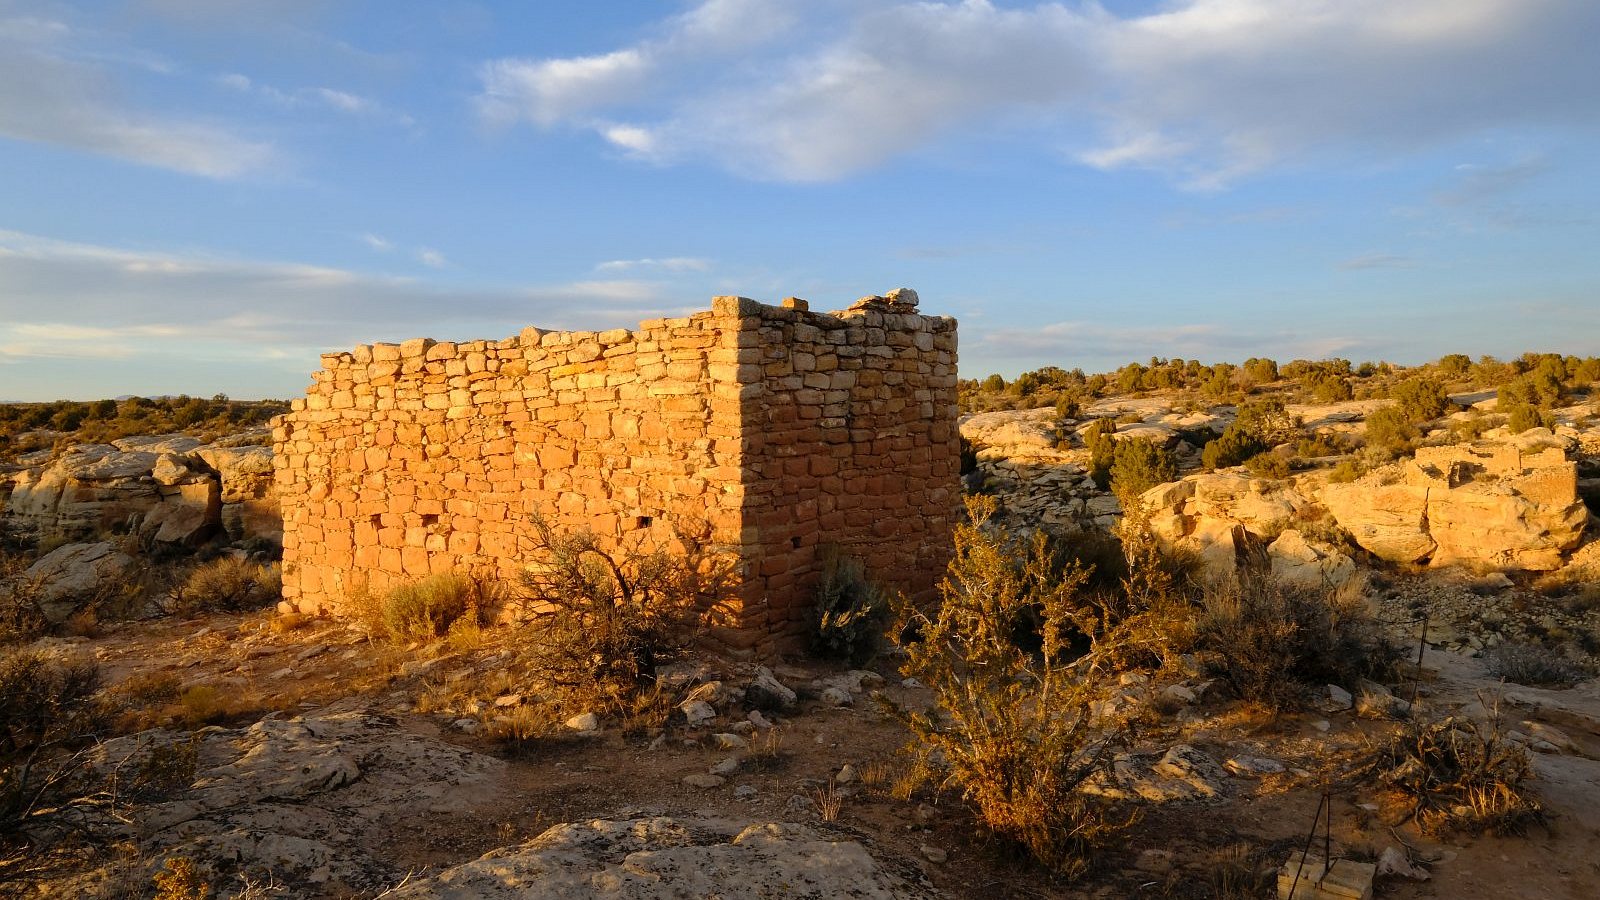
[150, 305]
[431, 258]
[313, 98]
[380, 244]
[1208, 91]
[1117, 344]
[1376, 261]
[51, 95]
[667, 264]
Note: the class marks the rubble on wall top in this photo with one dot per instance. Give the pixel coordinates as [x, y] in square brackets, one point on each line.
[898, 302]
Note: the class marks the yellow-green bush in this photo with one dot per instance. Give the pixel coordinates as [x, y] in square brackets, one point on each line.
[228, 584]
[425, 609]
[1010, 729]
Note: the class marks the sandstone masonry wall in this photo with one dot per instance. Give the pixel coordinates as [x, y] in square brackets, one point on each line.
[784, 430]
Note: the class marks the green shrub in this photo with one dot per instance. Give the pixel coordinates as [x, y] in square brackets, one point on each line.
[1010, 729]
[1261, 425]
[1420, 399]
[1138, 465]
[849, 616]
[1320, 445]
[1268, 465]
[1523, 417]
[1098, 438]
[1389, 429]
[1272, 641]
[1267, 420]
[1331, 389]
[1068, 405]
[1234, 447]
[1345, 472]
[424, 610]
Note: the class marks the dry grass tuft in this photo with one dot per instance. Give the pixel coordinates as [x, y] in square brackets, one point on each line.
[181, 879]
[425, 610]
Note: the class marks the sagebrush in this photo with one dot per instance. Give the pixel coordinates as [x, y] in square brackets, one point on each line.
[848, 619]
[1272, 641]
[1010, 729]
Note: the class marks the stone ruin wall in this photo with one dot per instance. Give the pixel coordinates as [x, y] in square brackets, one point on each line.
[1544, 476]
[784, 430]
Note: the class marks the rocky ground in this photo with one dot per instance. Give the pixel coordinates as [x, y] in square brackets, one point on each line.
[306, 760]
[342, 768]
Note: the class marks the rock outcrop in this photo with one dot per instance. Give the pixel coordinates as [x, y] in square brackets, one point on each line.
[73, 573]
[1025, 435]
[91, 488]
[1218, 514]
[665, 858]
[1487, 505]
[171, 488]
[302, 797]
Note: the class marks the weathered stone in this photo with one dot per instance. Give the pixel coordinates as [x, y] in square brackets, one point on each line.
[1306, 876]
[187, 514]
[73, 573]
[1390, 521]
[1310, 563]
[660, 858]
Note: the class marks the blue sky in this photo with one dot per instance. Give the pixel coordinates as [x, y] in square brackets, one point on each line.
[201, 195]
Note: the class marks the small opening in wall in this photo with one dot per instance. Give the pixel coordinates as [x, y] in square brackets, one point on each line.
[376, 519]
[795, 542]
[429, 520]
[645, 521]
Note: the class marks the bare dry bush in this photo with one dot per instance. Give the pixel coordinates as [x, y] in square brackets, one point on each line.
[1459, 774]
[46, 706]
[1532, 664]
[21, 618]
[616, 609]
[1271, 641]
[1011, 729]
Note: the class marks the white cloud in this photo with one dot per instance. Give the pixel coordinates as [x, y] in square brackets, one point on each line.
[54, 101]
[380, 244]
[431, 258]
[1208, 90]
[548, 92]
[670, 264]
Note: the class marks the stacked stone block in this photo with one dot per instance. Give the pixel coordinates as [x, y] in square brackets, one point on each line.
[783, 430]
